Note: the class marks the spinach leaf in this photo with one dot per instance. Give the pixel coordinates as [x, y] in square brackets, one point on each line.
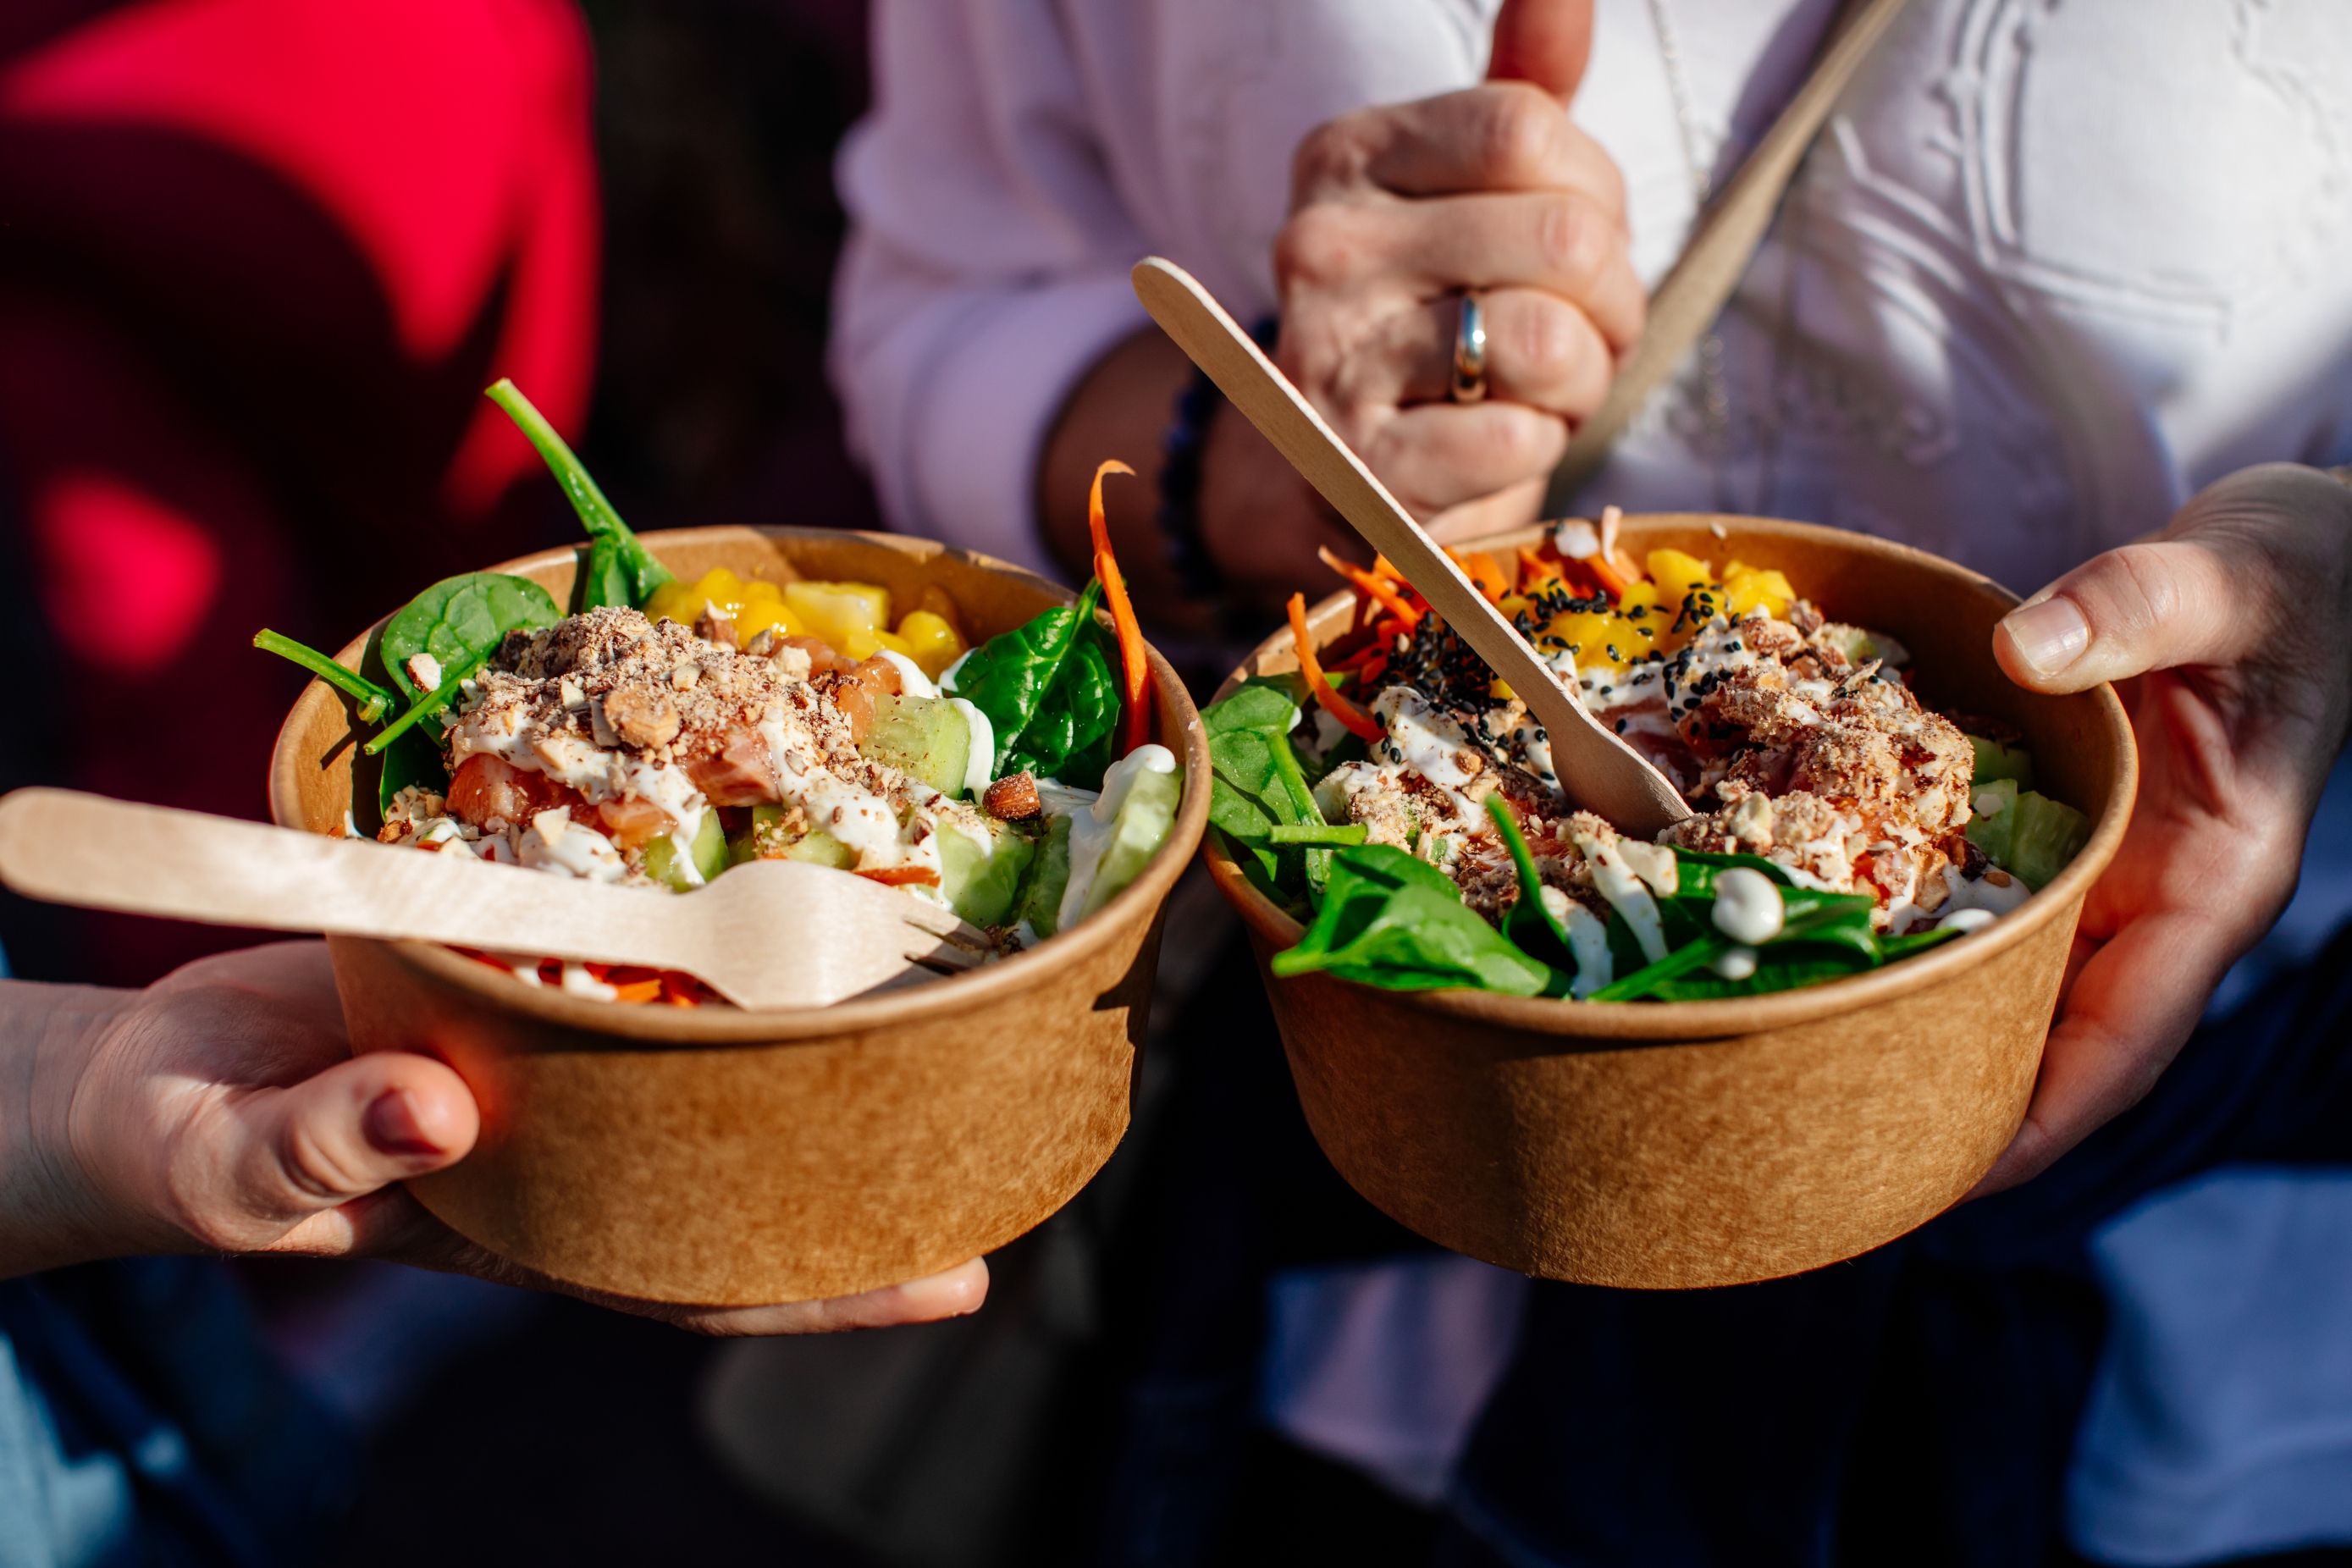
[1695, 869]
[1824, 928]
[619, 569]
[1528, 925]
[1388, 919]
[375, 701]
[1257, 786]
[1048, 689]
[461, 619]
[459, 622]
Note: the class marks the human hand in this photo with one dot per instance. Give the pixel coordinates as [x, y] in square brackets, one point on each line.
[2229, 631]
[1394, 212]
[221, 1109]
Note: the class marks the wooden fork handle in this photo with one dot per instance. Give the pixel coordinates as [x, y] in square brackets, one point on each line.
[67, 848]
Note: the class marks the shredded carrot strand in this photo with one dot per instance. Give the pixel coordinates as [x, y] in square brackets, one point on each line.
[1486, 574]
[637, 991]
[1135, 666]
[1614, 582]
[1534, 568]
[1331, 703]
[1627, 567]
[903, 876]
[1365, 582]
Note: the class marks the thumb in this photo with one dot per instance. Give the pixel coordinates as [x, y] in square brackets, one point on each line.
[2141, 607]
[1545, 42]
[359, 1126]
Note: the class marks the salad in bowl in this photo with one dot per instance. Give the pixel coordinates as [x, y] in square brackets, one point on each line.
[1403, 802]
[663, 730]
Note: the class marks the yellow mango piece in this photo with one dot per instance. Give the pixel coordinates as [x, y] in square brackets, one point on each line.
[838, 611]
[932, 640]
[1500, 689]
[1599, 637]
[767, 615]
[760, 591]
[1640, 595]
[720, 589]
[1749, 588]
[670, 601]
[864, 643]
[934, 601]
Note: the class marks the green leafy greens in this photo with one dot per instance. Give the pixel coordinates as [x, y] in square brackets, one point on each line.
[1378, 915]
[619, 569]
[1048, 689]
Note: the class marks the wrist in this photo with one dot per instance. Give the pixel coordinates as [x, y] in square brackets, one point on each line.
[52, 1214]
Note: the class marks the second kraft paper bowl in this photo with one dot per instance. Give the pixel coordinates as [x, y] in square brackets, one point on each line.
[1695, 1143]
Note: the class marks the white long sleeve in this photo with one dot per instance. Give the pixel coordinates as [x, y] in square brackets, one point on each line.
[1021, 156]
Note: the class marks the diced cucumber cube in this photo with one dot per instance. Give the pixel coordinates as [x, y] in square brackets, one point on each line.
[765, 838]
[1049, 875]
[981, 881]
[1146, 818]
[709, 855]
[1995, 761]
[2044, 835]
[923, 737]
[1992, 827]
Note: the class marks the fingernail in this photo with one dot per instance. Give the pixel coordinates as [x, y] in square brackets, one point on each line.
[2049, 635]
[393, 1126]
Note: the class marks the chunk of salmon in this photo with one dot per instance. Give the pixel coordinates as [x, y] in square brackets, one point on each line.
[489, 789]
[739, 774]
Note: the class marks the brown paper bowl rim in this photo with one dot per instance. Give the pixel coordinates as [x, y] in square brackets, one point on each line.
[1729, 1017]
[931, 1003]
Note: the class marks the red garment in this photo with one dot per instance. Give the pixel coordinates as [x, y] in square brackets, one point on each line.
[260, 257]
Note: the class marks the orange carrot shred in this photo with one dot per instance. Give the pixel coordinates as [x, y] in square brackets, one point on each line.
[1611, 579]
[637, 991]
[1487, 574]
[1331, 703]
[1135, 668]
[1366, 582]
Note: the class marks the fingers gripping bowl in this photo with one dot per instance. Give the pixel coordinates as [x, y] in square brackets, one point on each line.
[1711, 1141]
[718, 1157]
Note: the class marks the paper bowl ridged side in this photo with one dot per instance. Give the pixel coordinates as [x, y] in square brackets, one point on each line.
[1670, 1145]
[732, 1158]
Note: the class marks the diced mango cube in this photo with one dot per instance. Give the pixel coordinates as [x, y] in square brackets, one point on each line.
[932, 641]
[934, 600]
[1598, 637]
[1642, 595]
[670, 602]
[1749, 587]
[767, 614]
[840, 612]
[864, 643]
[720, 589]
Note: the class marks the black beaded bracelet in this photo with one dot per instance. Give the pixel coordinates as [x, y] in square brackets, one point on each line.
[1180, 479]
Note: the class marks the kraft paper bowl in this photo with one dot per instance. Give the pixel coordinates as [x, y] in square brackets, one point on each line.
[716, 1156]
[1694, 1144]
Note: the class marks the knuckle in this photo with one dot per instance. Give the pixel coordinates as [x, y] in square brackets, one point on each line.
[1569, 238]
[1333, 153]
[1548, 344]
[1516, 136]
[315, 1171]
[2141, 587]
[1320, 247]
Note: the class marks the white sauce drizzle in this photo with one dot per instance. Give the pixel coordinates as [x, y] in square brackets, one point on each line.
[1747, 906]
[912, 681]
[980, 764]
[1588, 939]
[1626, 895]
[1091, 829]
